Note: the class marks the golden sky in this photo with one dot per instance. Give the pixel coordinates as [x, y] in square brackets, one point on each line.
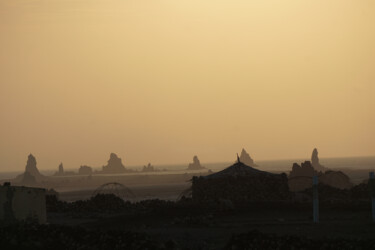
[162, 80]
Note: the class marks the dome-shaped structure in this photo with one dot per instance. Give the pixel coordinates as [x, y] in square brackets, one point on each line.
[115, 188]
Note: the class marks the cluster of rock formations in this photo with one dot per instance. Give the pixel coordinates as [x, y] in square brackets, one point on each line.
[196, 165]
[300, 178]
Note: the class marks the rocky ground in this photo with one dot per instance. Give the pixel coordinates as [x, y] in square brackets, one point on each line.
[107, 222]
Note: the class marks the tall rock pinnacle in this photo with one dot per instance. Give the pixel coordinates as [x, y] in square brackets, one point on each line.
[31, 166]
[315, 161]
[246, 159]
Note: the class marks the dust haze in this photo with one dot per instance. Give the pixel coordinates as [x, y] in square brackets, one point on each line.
[178, 124]
[162, 81]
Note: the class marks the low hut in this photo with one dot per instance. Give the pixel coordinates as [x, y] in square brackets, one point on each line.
[240, 183]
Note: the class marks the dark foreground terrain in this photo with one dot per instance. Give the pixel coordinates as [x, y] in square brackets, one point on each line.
[107, 222]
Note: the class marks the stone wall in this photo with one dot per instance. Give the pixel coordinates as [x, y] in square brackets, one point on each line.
[22, 203]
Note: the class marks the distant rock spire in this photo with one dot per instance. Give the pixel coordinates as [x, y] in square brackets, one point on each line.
[246, 159]
[31, 166]
[315, 161]
[61, 169]
[196, 164]
[114, 165]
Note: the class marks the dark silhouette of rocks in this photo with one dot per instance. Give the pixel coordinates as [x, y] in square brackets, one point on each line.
[148, 168]
[31, 167]
[61, 169]
[246, 159]
[300, 178]
[85, 170]
[31, 172]
[336, 179]
[305, 170]
[114, 165]
[196, 165]
[315, 161]
[62, 172]
[28, 179]
[240, 183]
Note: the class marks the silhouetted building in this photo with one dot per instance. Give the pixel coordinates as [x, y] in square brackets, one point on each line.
[240, 183]
[22, 203]
[196, 165]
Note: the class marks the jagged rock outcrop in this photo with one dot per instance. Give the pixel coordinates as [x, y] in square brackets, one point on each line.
[336, 179]
[31, 166]
[315, 161]
[306, 170]
[61, 169]
[246, 159]
[148, 168]
[300, 178]
[31, 174]
[85, 170]
[114, 165]
[196, 165]
[28, 179]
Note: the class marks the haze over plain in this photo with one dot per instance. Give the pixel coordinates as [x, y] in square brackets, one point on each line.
[161, 81]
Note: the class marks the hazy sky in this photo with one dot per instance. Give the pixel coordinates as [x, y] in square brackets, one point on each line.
[162, 80]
